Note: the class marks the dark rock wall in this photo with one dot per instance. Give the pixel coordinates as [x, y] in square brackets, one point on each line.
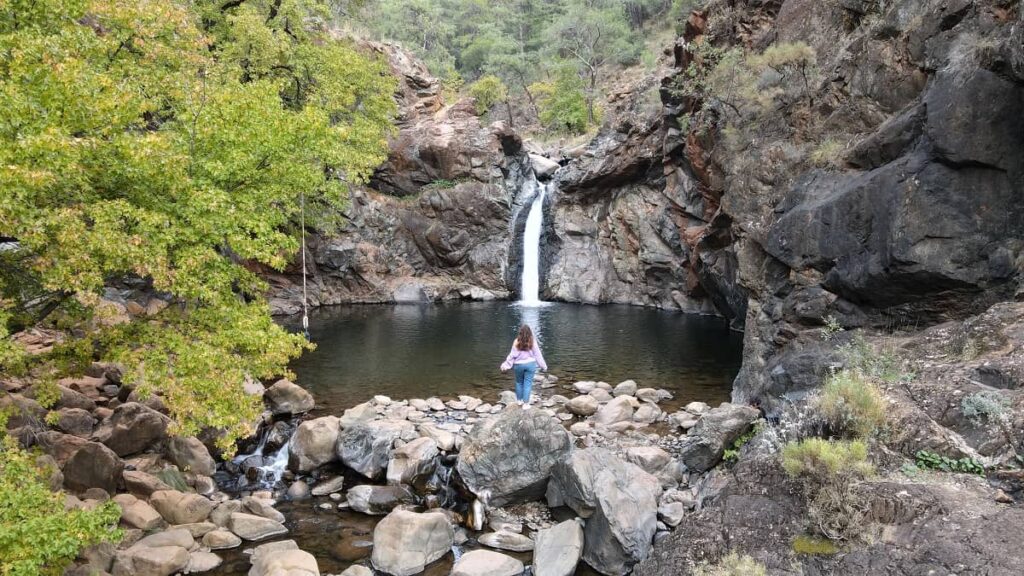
[921, 221]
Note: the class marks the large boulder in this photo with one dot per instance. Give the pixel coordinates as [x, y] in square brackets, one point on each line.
[413, 463]
[557, 550]
[287, 398]
[190, 455]
[146, 561]
[366, 448]
[511, 455]
[132, 428]
[620, 502]
[84, 464]
[487, 563]
[262, 507]
[313, 444]
[404, 543]
[716, 430]
[585, 405]
[282, 559]
[377, 500]
[618, 410]
[180, 507]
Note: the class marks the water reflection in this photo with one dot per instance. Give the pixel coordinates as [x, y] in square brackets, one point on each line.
[419, 351]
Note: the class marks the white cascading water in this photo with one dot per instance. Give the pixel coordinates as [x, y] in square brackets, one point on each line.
[275, 469]
[530, 289]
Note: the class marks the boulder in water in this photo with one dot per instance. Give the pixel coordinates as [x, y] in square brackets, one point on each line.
[261, 507]
[313, 444]
[503, 540]
[487, 563]
[282, 559]
[366, 448]
[413, 463]
[404, 542]
[254, 528]
[558, 549]
[585, 405]
[627, 388]
[287, 398]
[221, 540]
[716, 430]
[511, 455]
[377, 500]
[617, 410]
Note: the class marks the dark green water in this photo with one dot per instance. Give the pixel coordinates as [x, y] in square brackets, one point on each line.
[417, 351]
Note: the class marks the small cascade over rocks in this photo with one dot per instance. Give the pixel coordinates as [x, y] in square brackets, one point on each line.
[265, 465]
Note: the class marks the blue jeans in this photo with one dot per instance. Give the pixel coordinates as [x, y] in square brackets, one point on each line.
[524, 379]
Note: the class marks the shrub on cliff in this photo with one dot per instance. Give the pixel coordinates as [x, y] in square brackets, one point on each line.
[829, 472]
[850, 404]
[487, 92]
[166, 144]
[37, 535]
[825, 460]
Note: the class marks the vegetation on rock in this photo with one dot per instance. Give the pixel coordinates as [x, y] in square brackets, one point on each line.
[850, 404]
[527, 45]
[37, 534]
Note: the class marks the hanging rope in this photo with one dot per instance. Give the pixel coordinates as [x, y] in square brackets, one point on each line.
[305, 308]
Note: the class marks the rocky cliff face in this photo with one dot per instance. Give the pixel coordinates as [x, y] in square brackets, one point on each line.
[920, 217]
[433, 223]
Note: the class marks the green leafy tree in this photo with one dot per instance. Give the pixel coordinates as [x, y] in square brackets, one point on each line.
[562, 102]
[488, 91]
[37, 535]
[171, 142]
[592, 34]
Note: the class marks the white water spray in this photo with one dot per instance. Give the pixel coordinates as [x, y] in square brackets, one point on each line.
[530, 289]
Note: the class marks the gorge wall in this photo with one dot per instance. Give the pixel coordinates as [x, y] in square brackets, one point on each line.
[916, 217]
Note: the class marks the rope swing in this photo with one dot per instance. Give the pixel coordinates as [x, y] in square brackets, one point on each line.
[305, 307]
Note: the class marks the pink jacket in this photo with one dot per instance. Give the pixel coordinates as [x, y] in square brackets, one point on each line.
[517, 356]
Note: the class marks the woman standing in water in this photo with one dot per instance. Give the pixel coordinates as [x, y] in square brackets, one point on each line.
[524, 359]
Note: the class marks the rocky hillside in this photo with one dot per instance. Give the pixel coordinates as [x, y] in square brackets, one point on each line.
[433, 222]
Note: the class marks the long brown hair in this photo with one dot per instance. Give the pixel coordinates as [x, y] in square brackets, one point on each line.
[524, 341]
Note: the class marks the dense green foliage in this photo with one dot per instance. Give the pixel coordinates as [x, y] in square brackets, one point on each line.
[37, 535]
[561, 104]
[171, 142]
[524, 42]
[488, 91]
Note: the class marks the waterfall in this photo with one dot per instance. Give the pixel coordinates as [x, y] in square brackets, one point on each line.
[530, 288]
